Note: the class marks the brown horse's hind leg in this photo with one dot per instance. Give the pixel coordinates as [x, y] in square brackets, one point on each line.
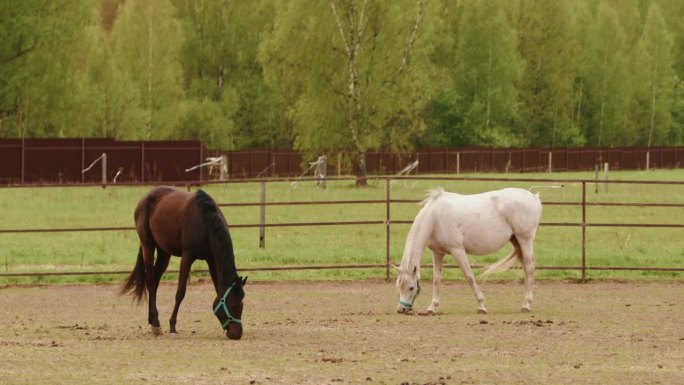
[186, 263]
[150, 280]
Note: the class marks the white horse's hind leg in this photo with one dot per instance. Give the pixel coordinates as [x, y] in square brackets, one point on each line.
[437, 262]
[529, 267]
[462, 260]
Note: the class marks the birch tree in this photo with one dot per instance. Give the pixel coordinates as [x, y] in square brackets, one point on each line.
[610, 86]
[358, 72]
[656, 77]
[146, 49]
[488, 68]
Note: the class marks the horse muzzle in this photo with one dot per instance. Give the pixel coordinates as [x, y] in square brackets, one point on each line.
[234, 331]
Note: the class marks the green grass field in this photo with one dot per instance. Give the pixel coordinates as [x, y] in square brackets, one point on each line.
[70, 207]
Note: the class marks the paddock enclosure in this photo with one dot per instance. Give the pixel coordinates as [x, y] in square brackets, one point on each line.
[349, 333]
[627, 226]
[319, 308]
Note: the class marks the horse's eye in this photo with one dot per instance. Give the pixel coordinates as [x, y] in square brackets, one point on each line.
[411, 288]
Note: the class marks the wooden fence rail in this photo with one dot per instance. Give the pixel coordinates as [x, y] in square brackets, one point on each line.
[387, 222]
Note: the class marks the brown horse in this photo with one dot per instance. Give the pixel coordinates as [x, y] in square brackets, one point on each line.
[189, 225]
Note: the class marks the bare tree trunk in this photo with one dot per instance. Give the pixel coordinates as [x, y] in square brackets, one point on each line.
[653, 109]
[352, 47]
[150, 36]
[489, 86]
[603, 98]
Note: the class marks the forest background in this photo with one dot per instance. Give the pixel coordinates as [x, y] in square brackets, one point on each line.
[345, 76]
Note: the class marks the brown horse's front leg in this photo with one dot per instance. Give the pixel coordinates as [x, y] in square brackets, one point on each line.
[186, 263]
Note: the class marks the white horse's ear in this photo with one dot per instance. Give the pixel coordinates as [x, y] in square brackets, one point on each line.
[396, 268]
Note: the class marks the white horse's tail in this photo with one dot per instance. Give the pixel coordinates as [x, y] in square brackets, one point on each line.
[432, 195]
[506, 263]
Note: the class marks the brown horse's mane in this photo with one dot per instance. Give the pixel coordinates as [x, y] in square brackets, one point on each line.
[218, 227]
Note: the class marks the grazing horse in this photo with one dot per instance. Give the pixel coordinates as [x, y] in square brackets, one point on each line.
[189, 225]
[476, 224]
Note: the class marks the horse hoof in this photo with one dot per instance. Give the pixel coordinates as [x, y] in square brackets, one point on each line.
[172, 335]
[427, 313]
[481, 311]
[157, 331]
[525, 310]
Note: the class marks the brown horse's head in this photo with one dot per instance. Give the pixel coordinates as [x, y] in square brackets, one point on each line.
[228, 308]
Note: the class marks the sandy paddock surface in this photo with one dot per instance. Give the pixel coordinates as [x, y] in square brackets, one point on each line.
[348, 333]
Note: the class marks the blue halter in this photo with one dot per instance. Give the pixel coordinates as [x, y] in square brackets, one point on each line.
[409, 305]
[222, 305]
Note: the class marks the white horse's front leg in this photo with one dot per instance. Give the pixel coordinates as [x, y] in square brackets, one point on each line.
[437, 262]
[462, 260]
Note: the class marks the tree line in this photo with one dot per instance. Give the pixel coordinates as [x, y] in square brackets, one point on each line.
[345, 76]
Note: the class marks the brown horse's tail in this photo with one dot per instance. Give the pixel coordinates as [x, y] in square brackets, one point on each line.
[135, 283]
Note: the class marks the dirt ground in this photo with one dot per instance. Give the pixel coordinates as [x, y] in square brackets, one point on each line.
[348, 333]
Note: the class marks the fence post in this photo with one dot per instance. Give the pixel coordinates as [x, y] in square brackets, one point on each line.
[104, 170]
[23, 158]
[596, 178]
[458, 162]
[82, 159]
[584, 232]
[339, 164]
[321, 170]
[262, 217]
[550, 161]
[142, 161]
[387, 229]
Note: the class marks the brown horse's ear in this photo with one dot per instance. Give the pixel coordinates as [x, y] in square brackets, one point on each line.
[244, 281]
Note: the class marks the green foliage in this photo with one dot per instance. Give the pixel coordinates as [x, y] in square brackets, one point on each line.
[355, 75]
[345, 75]
[487, 68]
[654, 66]
[608, 81]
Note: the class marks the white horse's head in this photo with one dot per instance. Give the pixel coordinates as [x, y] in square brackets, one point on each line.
[408, 284]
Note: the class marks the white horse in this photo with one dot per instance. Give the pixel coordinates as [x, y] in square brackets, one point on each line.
[476, 224]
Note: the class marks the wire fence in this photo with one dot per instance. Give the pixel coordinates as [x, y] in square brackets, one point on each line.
[387, 222]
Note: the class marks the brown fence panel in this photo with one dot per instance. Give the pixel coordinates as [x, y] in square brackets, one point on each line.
[502, 160]
[125, 156]
[52, 160]
[382, 163]
[666, 158]
[260, 163]
[168, 160]
[61, 160]
[10, 161]
[287, 163]
[484, 160]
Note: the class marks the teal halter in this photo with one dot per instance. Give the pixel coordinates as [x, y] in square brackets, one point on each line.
[409, 305]
[222, 305]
